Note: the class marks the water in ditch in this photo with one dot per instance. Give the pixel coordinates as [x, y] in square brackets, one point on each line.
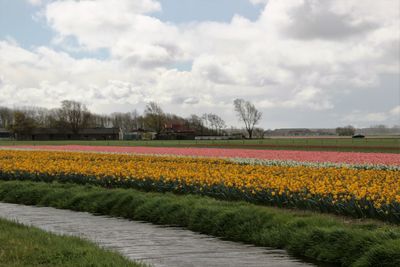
[155, 245]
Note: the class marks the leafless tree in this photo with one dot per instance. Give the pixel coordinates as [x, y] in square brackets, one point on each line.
[6, 117]
[123, 121]
[41, 116]
[136, 119]
[100, 120]
[154, 117]
[258, 133]
[195, 122]
[248, 114]
[214, 122]
[74, 115]
[22, 124]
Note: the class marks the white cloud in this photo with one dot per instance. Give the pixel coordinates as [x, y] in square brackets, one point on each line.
[300, 55]
[119, 25]
[395, 112]
[358, 117]
[376, 117]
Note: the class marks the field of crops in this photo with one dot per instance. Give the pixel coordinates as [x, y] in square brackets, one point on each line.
[354, 189]
[285, 155]
[369, 144]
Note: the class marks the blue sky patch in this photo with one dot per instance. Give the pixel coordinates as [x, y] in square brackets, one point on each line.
[181, 11]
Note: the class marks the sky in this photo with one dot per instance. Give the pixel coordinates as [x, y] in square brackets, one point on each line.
[302, 63]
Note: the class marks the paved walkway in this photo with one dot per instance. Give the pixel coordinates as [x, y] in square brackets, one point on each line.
[155, 245]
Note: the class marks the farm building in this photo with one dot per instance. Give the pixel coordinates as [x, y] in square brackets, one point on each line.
[138, 134]
[237, 136]
[5, 134]
[176, 132]
[300, 132]
[44, 134]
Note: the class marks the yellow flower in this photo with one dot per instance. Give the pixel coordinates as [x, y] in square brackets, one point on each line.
[342, 184]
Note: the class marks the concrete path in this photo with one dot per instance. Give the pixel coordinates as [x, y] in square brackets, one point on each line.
[155, 245]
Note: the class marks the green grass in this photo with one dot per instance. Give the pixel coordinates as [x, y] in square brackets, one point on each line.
[389, 145]
[28, 246]
[317, 237]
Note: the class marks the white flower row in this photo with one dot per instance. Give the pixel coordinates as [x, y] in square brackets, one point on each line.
[291, 163]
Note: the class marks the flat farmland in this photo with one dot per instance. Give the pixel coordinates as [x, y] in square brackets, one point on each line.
[298, 200]
[372, 144]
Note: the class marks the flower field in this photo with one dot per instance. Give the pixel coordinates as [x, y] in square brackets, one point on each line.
[300, 156]
[359, 192]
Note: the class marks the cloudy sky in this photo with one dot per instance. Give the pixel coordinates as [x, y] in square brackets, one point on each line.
[304, 63]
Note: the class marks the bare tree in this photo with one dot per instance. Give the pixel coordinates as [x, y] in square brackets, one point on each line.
[196, 123]
[123, 121]
[23, 124]
[248, 114]
[102, 121]
[6, 117]
[74, 115]
[42, 116]
[135, 119]
[213, 121]
[218, 123]
[154, 117]
[258, 133]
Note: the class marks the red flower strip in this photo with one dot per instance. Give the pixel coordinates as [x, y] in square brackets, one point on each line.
[303, 156]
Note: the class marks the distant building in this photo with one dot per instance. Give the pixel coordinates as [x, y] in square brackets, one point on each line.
[300, 132]
[176, 132]
[138, 134]
[44, 134]
[231, 136]
[5, 134]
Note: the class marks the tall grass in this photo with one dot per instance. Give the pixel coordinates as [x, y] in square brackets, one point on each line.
[323, 238]
[28, 246]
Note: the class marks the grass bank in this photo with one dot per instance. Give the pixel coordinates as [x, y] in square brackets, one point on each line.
[28, 246]
[323, 238]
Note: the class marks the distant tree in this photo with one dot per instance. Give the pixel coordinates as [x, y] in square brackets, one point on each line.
[136, 119]
[23, 124]
[175, 119]
[42, 116]
[248, 114]
[205, 121]
[258, 132]
[6, 117]
[102, 121]
[123, 121]
[74, 115]
[154, 117]
[217, 122]
[214, 122]
[345, 131]
[195, 122]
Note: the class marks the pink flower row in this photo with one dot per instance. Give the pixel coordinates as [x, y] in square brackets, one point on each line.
[303, 156]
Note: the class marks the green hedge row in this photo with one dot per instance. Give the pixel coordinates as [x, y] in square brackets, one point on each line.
[317, 237]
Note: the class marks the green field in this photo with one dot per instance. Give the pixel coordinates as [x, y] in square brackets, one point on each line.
[375, 144]
[28, 246]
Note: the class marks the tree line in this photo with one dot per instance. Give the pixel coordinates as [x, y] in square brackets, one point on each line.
[75, 116]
